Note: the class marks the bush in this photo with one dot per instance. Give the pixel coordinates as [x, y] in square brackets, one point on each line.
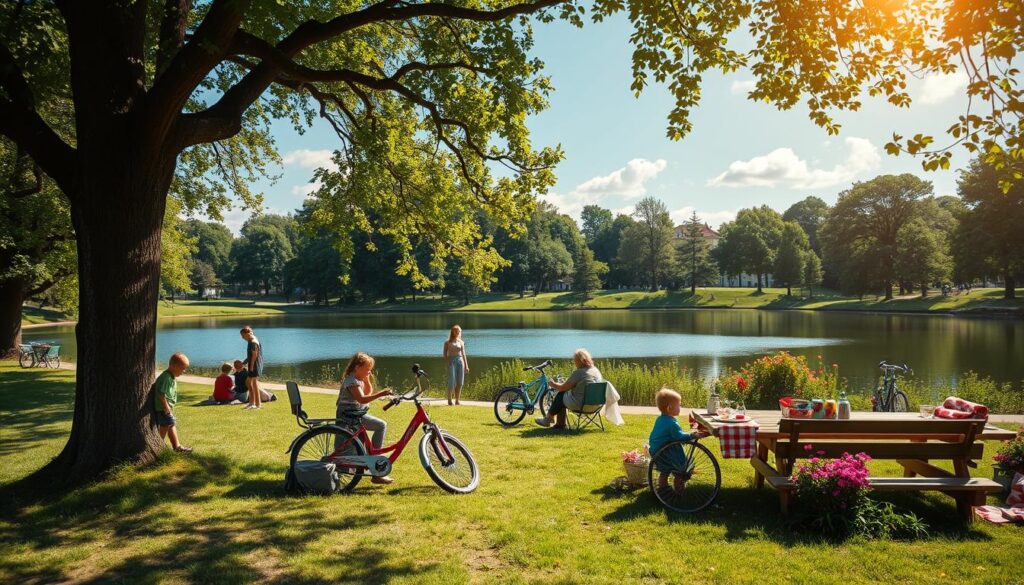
[832, 499]
[762, 382]
[1010, 456]
[830, 492]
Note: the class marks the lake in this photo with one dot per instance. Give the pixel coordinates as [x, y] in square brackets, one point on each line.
[937, 347]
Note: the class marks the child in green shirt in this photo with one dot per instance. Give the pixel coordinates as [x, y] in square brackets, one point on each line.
[165, 396]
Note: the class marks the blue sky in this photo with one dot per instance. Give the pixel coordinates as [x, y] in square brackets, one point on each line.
[740, 153]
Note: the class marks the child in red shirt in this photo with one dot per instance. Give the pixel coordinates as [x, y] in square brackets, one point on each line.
[223, 386]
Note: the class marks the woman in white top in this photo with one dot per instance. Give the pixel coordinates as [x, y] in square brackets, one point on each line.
[455, 359]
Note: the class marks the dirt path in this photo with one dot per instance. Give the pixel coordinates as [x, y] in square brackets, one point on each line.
[645, 410]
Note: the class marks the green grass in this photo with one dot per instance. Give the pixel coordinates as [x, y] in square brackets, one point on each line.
[543, 513]
[35, 316]
[979, 301]
[740, 298]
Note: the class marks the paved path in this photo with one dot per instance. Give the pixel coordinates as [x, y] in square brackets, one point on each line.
[648, 410]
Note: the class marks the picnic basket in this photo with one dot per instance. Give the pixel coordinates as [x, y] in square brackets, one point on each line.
[636, 473]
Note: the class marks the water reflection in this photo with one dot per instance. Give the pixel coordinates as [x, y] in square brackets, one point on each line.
[938, 347]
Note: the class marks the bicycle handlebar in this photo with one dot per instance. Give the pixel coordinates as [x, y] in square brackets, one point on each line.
[884, 366]
[539, 367]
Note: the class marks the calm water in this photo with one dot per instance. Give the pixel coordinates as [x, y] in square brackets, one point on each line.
[300, 346]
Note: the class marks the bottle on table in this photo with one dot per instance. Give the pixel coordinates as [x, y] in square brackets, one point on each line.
[844, 406]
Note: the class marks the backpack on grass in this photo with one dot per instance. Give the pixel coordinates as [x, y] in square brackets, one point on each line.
[311, 477]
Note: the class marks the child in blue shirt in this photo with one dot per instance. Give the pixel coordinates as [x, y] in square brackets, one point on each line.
[666, 430]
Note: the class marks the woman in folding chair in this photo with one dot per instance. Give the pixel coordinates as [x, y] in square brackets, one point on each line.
[570, 392]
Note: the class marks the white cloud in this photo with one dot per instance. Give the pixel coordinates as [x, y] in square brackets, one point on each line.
[783, 168]
[310, 159]
[742, 87]
[306, 189]
[712, 218]
[939, 87]
[628, 181]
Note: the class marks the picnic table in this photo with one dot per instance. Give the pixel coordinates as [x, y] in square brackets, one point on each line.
[907, 438]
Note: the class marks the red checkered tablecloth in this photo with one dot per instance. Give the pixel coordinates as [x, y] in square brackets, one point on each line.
[738, 440]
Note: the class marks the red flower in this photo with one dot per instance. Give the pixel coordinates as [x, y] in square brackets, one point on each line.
[741, 383]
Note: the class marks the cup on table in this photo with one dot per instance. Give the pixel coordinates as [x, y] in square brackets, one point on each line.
[927, 410]
[723, 412]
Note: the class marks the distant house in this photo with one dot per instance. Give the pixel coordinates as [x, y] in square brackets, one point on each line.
[561, 285]
[210, 292]
[731, 280]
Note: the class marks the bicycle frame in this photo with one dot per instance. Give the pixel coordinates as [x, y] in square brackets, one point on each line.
[394, 450]
[531, 402]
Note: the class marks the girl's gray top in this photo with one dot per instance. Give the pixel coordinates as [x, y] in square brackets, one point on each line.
[345, 396]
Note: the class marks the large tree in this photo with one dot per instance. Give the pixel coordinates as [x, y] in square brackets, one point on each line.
[922, 256]
[213, 245]
[426, 99]
[791, 256]
[693, 252]
[989, 241]
[749, 244]
[867, 217]
[649, 243]
[810, 214]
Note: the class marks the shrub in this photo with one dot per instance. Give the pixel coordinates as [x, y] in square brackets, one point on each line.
[1011, 454]
[830, 492]
[773, 376]
[832, 499]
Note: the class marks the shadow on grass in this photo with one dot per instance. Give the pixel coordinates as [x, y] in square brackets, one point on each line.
[251, 538]
[747, 513]
[34, 407]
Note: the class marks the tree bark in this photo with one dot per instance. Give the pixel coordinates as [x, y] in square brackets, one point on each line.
[789, 290]
[119, 205]
[12, 295]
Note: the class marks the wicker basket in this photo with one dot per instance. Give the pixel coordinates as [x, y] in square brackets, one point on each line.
[636, 473]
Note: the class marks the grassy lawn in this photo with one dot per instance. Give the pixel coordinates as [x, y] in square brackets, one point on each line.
[36, 316]
[543, 513]
[740, 298]
[979, 300]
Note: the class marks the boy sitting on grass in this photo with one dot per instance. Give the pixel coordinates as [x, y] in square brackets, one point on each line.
[165, 396]
[666, 429]
[222, 386]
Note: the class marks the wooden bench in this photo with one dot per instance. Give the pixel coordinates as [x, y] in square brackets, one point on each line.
[910, 443]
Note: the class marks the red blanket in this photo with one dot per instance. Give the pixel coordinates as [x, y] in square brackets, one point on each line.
[954, 407]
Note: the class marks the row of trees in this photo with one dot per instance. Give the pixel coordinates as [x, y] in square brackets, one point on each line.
[884, 234]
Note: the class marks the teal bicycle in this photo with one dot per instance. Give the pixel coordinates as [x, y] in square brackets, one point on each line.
[512, 403]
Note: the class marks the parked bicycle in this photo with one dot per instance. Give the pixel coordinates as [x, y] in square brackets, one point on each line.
[445, 458]
[684, 476]
[35, 354]
[512, 403]
[888, 397]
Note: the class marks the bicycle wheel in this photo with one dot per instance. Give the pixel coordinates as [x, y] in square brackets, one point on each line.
[899, 402]
[26, 360]
[507, 414]
[326, 443]
[460, 474]
[684, 476]
[546, 400]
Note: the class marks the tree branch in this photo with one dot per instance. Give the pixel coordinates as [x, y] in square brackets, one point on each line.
[172, 31]
[20, 122]
[245, 92]
[194, 61]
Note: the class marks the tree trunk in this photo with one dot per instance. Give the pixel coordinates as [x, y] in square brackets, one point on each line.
[118, 206]
[789, 290]
[759, 282]
[1009, 287]
[12, 296]
[888, 291]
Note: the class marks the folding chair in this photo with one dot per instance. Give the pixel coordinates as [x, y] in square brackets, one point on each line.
[590, 412]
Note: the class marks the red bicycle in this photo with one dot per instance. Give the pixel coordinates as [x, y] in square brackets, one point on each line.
[447, 461]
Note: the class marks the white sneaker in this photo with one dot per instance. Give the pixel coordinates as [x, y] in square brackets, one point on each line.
[543, 421]
[248, 407]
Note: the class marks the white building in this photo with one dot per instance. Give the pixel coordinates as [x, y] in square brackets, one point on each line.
[740, 280]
